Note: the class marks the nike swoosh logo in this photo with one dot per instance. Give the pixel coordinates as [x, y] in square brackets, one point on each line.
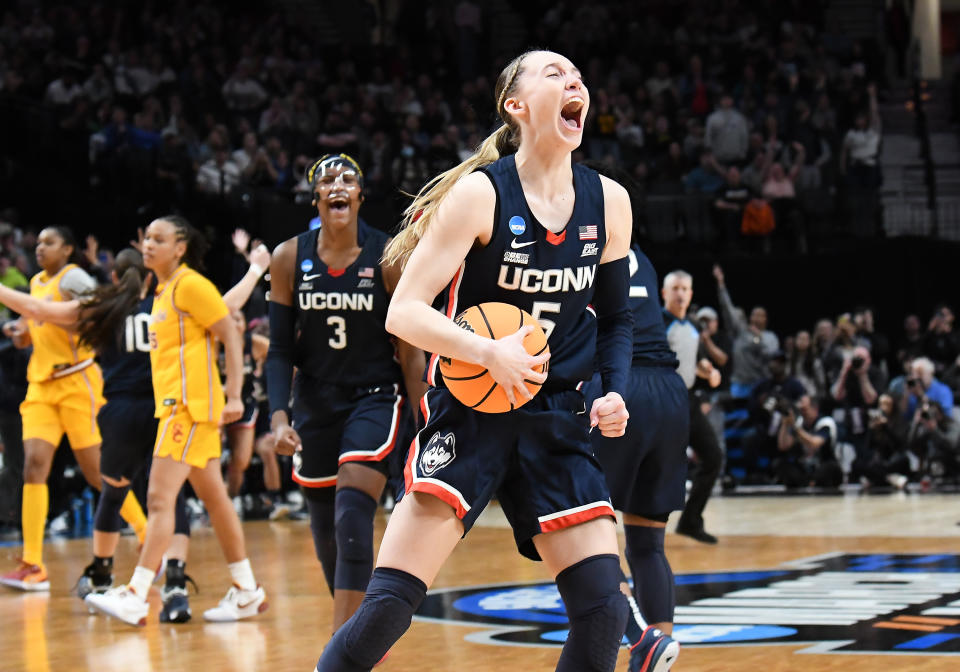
[515, 245]
[307, 278]
[244, 606]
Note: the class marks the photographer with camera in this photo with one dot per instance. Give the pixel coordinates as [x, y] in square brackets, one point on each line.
[922, 384]
[887, 446]
[684, 340]
[934, 438]
[941, 343]
[855, 390]
[771, 399]
[806, 443]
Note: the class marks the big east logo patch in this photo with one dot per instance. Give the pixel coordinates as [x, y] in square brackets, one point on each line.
[839, 603]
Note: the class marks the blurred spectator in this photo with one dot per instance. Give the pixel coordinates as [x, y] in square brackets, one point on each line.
[727, 132]
[889, 461]
[714, 344]
[910, 344]
[923, 386]
[934, 437]
[753, 343]
[241, 92]
[855, 390]
[707, 177]
[219, 175]
[806, 442]
[64, 90]
[732, 200]
[859, 164]
[941, 343]
[805, 366]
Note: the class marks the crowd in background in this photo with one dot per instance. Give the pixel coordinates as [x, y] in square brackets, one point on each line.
[736, 117]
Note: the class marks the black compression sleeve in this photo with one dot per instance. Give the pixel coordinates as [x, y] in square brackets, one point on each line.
[614, 325]
[280, 357]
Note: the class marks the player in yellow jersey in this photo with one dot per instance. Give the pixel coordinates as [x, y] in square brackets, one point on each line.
[64, 395]
[187, 319]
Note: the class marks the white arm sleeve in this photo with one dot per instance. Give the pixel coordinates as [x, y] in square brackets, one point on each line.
[77, 282]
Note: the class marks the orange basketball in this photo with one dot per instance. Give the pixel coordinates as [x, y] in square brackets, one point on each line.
[472, 384]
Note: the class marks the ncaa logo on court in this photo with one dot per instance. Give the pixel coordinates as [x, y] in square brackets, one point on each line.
[517, 225]
[438, 453]
[836, 603]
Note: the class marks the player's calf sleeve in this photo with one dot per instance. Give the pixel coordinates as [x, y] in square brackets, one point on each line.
[597, 612]
[653, 582]
[107, 516]
[353, 517]
[181, 515]
[322, 528]
[36, 504]
[384, 615]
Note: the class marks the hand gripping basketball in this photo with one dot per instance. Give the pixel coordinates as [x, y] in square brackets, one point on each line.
[515, 366]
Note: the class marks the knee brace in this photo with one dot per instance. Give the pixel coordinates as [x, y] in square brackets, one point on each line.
[653, 581]
[181, 520]
[107, 517]
[384, 615]
[320, 505]
[597, 612]
[353, 518]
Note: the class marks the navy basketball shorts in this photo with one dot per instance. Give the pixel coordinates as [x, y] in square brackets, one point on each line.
[340, 424]
[262, 424]
[129, 432]
[537, 461]
[646, 468]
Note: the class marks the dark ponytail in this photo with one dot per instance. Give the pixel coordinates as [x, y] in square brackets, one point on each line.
[102, 313]
[197, 245]
[66, 235]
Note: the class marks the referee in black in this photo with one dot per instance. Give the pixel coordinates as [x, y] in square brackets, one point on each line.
[684, 339]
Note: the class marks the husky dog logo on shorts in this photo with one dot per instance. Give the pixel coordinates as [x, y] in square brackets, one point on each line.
[438, 453]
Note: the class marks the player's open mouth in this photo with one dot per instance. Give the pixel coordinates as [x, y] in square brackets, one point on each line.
[570, 113]
[339, 204]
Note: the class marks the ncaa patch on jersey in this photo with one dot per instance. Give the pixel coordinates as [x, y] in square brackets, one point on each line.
[439, 453]
[589, 250]
[832, 604]
[588, 232]
[517, 225]
[306, 265]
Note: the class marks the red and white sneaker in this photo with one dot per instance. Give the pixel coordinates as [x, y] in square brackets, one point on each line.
[121, 603]
[238, 604]
[27, 577]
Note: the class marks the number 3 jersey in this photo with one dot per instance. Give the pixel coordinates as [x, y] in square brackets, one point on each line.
[549, 275]
[341, 313]
[126, 365]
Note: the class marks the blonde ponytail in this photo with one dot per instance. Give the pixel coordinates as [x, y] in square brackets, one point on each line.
[503, 141]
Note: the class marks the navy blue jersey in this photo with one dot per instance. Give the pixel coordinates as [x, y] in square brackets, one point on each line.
[650, 346]
[126, 367]
[341, 313]
[551, 276]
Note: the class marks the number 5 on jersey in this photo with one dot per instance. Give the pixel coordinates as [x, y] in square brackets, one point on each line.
[339, 339]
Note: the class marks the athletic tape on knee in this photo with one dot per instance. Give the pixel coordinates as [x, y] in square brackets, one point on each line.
[354, 511]
[107, 517]
[653, 581]
[597, 612]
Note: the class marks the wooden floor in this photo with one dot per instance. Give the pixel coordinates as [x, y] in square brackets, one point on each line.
[41, 633]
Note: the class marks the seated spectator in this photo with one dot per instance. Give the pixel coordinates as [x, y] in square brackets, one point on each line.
[63, 91]
[887, 446]
[707, 177]
[242, 93]
[910, 344]
[219, 175]
[779, 191]
[806, 441]
[934, 437]
[247, 153]
[923, 386]
[727, 132]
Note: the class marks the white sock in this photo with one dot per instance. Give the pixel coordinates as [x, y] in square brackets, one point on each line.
[242, 574]
[141, 581]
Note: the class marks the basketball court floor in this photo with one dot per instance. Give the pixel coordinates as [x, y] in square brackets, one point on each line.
[852, 583]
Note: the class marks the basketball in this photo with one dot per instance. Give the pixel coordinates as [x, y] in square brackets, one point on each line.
[472, 384]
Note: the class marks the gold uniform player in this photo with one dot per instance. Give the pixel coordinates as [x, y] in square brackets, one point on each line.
[188, 318]
[65, 393]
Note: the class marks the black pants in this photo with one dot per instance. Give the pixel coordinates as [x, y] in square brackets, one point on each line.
[704, 443]
[824, 475]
